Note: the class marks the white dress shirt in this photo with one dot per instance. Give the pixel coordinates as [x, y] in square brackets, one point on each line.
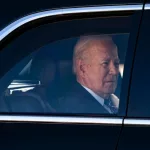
[98, 98]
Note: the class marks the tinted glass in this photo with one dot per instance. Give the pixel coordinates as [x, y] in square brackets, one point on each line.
[65, 72]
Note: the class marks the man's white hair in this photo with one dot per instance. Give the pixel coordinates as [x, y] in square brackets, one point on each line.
[82, 46]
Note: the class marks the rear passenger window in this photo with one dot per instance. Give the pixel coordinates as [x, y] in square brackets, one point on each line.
[62, 69]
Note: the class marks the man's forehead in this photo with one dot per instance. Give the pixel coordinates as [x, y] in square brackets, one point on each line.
[103, 49]
[98, 52]
[103, 44]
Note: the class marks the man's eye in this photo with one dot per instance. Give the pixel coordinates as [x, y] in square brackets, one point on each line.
[105, 63]
[117, 64]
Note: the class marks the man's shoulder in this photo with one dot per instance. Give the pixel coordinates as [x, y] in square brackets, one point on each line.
[71, 103]
[74, 100]
[73, 95]
[75, 91]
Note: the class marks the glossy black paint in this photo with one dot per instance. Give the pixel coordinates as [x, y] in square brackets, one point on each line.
[57, 136]
[139, 104]
[134, 137]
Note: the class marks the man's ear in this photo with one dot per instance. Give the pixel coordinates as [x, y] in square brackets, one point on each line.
[81, 69]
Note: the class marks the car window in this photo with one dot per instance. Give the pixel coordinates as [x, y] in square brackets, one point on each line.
[61, 68]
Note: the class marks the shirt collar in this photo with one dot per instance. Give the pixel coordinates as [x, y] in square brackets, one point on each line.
[97, 97]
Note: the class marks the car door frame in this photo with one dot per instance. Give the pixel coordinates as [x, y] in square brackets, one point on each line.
[8, 31]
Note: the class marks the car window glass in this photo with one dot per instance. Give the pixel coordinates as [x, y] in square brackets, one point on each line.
[71, 67]
[80, 75]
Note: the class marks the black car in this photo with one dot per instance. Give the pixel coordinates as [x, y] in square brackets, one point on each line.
[32, 36]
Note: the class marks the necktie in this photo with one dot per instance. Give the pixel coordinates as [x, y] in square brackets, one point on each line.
[108, 103]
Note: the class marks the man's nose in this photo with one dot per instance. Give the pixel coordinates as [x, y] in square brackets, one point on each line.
[113, 69]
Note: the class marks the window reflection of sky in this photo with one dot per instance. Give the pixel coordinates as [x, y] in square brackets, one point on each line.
[121, 69]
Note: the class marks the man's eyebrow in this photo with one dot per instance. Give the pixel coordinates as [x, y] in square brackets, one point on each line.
[108, 59]
[104, 58]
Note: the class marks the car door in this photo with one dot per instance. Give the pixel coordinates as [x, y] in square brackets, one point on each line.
[135, 133]
[57, 31]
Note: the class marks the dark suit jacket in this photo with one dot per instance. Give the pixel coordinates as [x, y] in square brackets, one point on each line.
[78, 100]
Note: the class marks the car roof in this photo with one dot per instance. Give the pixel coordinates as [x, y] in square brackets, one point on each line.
[13, 10]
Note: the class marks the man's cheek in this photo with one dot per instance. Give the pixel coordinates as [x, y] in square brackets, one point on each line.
[110, 86]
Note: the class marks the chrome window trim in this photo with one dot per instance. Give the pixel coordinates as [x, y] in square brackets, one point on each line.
[62, 120]
[147, 7]
[143, 122]
[59, 12]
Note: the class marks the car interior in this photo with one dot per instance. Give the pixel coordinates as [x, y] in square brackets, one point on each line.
[47, 76]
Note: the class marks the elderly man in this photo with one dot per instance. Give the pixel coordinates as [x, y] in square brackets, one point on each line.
[96, 66]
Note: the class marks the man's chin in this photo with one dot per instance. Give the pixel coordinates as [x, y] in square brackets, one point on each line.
[110, 91]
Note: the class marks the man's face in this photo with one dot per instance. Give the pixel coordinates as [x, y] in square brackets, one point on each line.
[101, 72]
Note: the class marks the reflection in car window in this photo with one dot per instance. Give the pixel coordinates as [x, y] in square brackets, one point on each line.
[76, 75]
